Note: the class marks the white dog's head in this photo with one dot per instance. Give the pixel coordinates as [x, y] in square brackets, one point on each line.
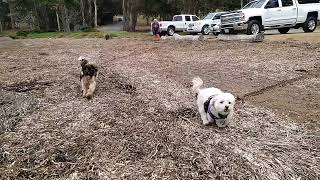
[223, 104]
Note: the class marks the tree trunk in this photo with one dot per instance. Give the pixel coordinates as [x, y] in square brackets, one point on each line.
[46, 18]
[12, 13]
[65, 19]
[58, 21]
[36, 16]
[82, 13]
[148, 22]
[95, 13]
[130, 15]
[33, 22]
[1, 26]
[90, 12]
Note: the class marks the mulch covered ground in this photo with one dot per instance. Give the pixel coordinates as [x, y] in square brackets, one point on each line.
[142, 122]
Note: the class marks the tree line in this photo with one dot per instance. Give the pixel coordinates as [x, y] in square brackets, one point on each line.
[74, 15]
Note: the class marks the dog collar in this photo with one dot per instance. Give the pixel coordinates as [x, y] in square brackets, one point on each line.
[208, 106]
[210, 113]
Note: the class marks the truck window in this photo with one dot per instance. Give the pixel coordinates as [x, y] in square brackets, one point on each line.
[216, 17]
[177, 18]
[272, 4]
[188, 18]
[254, 4]
[195, 18]
[286, 3]
[308, 1]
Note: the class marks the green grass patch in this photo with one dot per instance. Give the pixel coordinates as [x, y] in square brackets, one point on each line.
[76, 35]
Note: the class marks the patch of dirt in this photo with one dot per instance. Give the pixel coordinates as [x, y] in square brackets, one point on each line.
[142, 122]
[122, 84]
[13, 108]
[27, 86]
[300, 100]
[296, 97]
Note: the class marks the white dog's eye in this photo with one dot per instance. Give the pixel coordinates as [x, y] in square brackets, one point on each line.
[221, 102]
[229, 102]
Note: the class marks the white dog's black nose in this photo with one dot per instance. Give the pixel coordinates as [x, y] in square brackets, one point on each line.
[226, 108]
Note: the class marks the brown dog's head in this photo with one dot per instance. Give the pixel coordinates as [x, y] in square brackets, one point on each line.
[83, 61]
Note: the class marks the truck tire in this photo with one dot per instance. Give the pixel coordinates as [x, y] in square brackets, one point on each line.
[205, 30]
[163, 33]
[216, 33]
[310, 25]
[254, 27]
[283, 30]
[170, 31]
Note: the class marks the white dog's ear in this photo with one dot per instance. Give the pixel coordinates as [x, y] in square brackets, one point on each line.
[207, 102]
[214, 99]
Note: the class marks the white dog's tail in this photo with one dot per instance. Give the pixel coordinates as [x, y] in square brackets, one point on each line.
[197, 83]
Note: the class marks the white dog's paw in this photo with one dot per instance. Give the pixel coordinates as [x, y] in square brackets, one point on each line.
[222, 123]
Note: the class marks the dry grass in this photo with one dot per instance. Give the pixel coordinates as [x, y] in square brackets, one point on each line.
[297, 36]
[142, 123]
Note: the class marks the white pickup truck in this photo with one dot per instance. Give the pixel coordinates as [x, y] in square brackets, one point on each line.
[210, 23]
[273, 14]
[179, 23]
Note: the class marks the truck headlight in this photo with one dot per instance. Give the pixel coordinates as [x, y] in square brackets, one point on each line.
[242, 17]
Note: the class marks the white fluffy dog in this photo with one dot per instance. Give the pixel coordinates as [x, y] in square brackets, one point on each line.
[213, 104]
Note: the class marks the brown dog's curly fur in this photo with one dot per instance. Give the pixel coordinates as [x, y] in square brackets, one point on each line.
[88, 78]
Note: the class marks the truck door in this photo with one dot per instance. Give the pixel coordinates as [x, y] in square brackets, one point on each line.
[187, 22]
[289, 12]
[273, 14]
[178, 22]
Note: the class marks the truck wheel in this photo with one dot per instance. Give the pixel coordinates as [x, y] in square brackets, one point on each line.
[205, 30]
[310, 25]
[254, 27]
[283, 30]
[170, 31]
[163, 33]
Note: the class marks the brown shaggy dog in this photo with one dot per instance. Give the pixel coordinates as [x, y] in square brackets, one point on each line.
[88, 77]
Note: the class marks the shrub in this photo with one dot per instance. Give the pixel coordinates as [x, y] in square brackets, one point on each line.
[12, 36]
[87, 29]
[22, 33]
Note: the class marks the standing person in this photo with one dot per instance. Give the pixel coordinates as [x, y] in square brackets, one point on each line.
[156, 29]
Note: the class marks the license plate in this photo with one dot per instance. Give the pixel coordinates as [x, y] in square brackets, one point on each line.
[226, 30]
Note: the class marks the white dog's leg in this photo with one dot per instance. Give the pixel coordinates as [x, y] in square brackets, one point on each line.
[222, 122]
[203, 116]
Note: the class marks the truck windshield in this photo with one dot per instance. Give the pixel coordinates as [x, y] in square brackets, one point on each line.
[254, 4]
[209, 16]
